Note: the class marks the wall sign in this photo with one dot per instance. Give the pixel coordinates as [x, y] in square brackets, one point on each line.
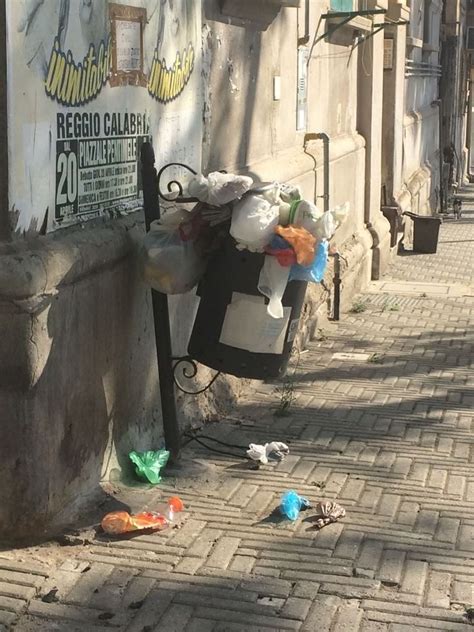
[388, 53]
[302, 87]
[89, 82]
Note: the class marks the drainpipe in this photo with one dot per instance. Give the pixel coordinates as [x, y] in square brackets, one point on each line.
[325, 138]
[337, 257]
[442, 200]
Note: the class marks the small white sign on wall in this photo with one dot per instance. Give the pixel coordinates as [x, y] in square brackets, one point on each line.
[388, 53]
[302, 88]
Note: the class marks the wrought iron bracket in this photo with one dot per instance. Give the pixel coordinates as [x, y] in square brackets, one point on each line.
[189, 369]
[346, 17]
[381, 27]
[174, 185]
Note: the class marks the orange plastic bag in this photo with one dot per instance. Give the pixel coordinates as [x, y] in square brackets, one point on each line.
[302, 242]
[119, 522]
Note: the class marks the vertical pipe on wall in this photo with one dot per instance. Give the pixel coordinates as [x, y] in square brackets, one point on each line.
[5, 230]
[325, 138]
[161, 314]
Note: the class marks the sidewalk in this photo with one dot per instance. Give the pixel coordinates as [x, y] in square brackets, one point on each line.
[387, 433]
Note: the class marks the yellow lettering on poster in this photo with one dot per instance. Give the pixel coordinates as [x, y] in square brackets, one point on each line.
[74, 84]
[167, 83]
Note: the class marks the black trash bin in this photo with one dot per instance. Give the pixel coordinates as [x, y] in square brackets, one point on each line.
[425, 232]
[232, 327]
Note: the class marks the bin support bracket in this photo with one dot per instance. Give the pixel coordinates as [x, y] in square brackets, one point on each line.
[188, 368]
[169, 367]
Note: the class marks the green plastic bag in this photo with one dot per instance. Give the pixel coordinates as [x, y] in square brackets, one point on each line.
[149, 464]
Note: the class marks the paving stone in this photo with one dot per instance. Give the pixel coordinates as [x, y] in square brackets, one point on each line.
[6, 619]
[414, 577]
[348, 619]
[320, 616]
[202, 625]
[152, 610]
[462, 593]
[17, 591]
[242, 618]
[296, 608]
[447, 530]
[439, 585]
[306, 589]
[391, 567]
[223, 552]
[370, 555]
[176, 618]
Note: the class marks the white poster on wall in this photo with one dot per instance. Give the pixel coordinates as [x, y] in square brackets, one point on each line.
[88, 82]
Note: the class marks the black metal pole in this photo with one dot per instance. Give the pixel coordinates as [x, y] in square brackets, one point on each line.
[337, 286]
[161, 319]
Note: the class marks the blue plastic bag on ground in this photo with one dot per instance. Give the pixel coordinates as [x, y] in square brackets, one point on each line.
[292, 503]
[313, 273]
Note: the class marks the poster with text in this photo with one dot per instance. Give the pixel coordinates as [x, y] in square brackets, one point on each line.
[88, 82]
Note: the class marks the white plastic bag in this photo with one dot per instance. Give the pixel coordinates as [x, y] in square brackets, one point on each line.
[274, 451]
[272, 284]
[330, 221]
[325, 226]
[340, 213]
[253, 222]
[306, 215]
[170, 261]
[219, 188]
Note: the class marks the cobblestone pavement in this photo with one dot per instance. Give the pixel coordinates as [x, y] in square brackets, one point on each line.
[390, 439]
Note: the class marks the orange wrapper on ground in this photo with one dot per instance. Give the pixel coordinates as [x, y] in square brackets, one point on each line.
[119, 522]
[302, 242]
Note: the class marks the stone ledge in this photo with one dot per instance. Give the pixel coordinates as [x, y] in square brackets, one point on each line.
[30, 268]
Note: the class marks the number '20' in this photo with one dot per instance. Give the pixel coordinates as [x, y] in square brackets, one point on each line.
[67, 171]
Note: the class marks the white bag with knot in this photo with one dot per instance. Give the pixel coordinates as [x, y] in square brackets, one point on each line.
[254, 219]
[330, 221]
[170, 262]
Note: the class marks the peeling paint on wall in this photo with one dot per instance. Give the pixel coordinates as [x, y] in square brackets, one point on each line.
[89, 82]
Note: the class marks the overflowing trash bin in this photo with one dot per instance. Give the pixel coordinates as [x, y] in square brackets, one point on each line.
[251, 249]
[425, 232]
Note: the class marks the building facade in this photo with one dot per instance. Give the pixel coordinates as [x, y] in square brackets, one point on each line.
[250, 87]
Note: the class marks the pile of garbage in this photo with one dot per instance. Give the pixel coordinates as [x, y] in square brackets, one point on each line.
[271, 218]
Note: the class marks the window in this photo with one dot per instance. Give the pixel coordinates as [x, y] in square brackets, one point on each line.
[342, 5]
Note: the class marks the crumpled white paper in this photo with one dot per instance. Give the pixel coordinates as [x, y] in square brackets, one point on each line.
[275, 451]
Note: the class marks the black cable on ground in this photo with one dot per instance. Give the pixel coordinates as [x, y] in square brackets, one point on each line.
[227, 445]
[232, 454]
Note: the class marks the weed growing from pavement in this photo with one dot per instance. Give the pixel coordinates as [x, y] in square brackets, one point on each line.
[359, 306]
[287, 396]
[286, 390]
[394, 307]
[376, 358]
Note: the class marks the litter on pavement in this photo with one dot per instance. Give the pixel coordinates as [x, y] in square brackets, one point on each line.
[273, 451]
